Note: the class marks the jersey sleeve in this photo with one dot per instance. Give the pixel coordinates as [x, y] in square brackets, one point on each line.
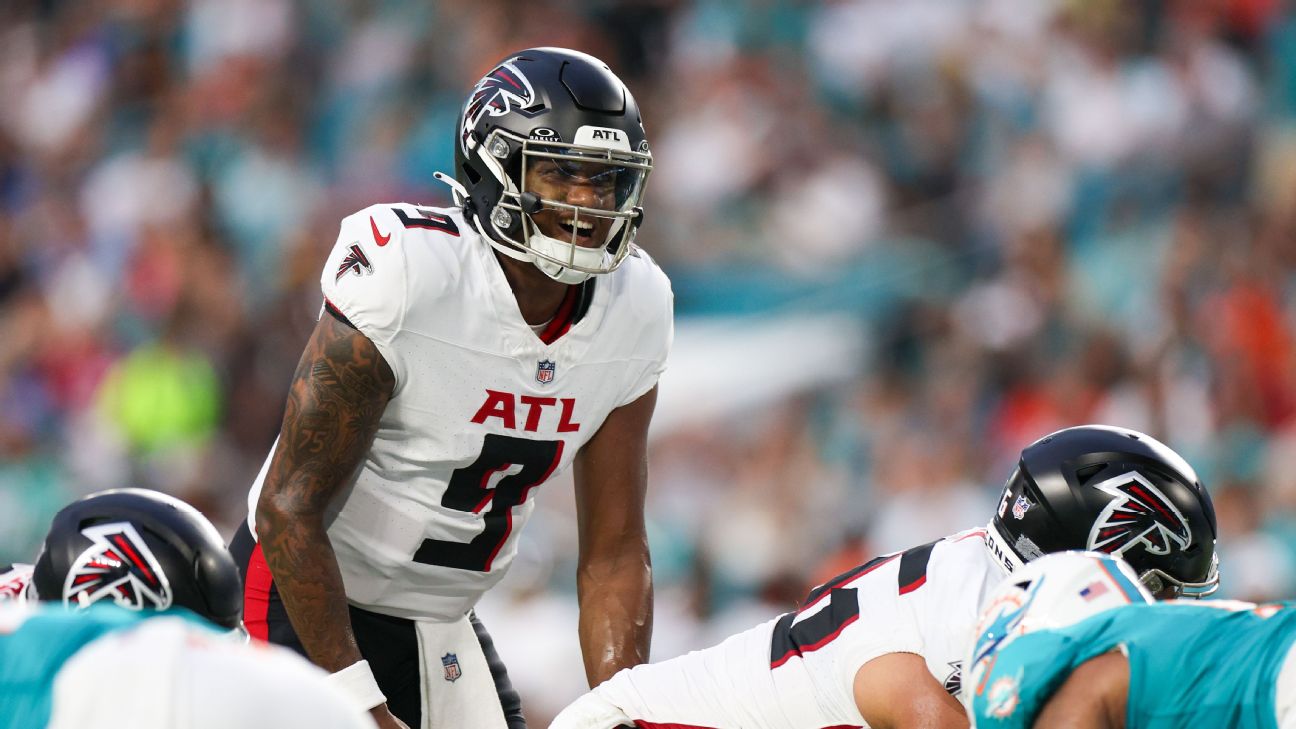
[725, 685]
[366, 279]
[886, 625]
[656, 311]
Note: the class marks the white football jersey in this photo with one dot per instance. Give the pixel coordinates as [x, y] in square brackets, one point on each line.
[167, 673]
[798, 671]
[483, 411]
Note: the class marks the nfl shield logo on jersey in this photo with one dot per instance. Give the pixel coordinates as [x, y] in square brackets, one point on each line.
[545, 371]
[450, 662]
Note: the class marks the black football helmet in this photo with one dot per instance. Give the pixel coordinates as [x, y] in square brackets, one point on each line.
[1114, 491]
[142, 550]
[559, 115]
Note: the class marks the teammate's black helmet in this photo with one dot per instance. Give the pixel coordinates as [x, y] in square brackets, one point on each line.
[567, 114]
[143, 550]
[1115, 491]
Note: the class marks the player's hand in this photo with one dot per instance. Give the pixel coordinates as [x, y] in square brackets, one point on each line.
[383, 717]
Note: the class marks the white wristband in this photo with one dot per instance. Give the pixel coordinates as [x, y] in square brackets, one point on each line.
[357, 683]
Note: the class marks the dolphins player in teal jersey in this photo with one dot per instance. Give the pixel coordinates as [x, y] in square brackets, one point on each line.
[108, 667]
[135, 621]
[1072, 641]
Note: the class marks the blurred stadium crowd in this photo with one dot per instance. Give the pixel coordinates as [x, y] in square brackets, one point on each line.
[1037, 213]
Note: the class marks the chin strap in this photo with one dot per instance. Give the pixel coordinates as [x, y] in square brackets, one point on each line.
[556, 271]
[457, 191]
[460, 196]
[561, 274]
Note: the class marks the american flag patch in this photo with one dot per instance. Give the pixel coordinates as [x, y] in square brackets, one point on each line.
[1095, 590]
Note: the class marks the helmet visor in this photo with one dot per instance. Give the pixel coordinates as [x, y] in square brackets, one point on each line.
[578, 205]
[602, 180]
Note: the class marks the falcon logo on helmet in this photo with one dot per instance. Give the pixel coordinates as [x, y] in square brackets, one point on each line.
[499, 92]
[1138, 514]
[119, 566]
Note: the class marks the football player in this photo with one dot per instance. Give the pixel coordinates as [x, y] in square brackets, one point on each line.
[135, 548]
[107, 668]
[882, 644]
[1073, 642]
[463, 357]
[139, 624]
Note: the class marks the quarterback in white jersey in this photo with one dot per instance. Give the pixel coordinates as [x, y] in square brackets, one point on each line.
[882, 645]
[464, 356]
[483, 410]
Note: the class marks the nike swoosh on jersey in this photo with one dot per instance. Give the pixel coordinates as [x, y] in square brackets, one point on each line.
[379, 238]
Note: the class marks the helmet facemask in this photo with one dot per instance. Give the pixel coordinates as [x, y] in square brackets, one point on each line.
[571, 209]
[1166, 587]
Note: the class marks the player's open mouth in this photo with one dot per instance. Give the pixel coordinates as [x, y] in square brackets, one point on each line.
[578, 231]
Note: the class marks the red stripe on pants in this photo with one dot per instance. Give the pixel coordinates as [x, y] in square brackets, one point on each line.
[256, 595]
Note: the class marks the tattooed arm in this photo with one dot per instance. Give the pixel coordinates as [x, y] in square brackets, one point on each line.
[338, 394]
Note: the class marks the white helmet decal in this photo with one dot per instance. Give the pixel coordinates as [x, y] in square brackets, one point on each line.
[1137, 514]
[498, 93]
[119, 566]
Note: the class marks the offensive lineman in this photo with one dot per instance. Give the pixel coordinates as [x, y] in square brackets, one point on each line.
[882, 645]
[464, 356]
[106, 667]
[1070, 644]
[136, 548]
